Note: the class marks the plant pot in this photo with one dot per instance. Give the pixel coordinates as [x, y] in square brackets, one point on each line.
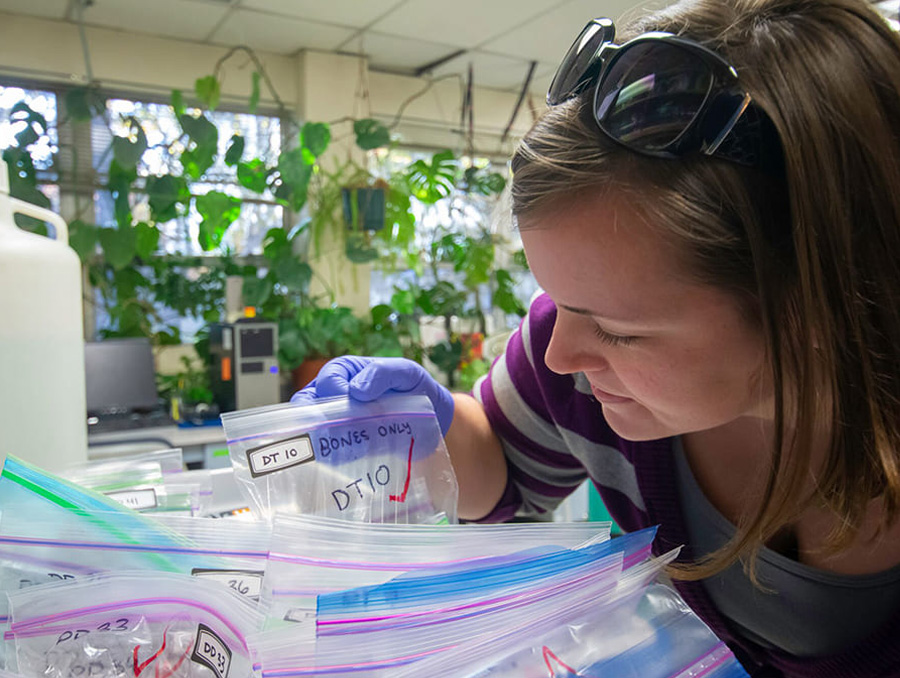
[306, 371]
[370, 207]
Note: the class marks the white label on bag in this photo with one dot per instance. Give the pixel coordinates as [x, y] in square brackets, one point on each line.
[300, 615]
[211, 651]
[139, 500]
[246, 582]
[281, 455]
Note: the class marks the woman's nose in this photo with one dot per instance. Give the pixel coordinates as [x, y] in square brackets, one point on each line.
[573, 347]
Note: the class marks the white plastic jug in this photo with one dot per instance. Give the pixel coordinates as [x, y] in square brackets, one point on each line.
[42, 395]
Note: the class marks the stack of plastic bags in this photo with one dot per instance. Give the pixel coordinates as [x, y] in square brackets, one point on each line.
[99, 590]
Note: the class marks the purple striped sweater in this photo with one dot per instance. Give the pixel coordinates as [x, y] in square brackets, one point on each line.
[554, 437]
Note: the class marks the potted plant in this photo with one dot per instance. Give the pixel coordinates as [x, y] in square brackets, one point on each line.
[318, 333]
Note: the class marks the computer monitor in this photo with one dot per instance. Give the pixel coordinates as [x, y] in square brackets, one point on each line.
[120, 376]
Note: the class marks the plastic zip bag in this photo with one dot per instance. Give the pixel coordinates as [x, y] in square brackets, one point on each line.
[378, 462]
[133, 480]
[422, 597]
[37, 552]
[651, 634]
[112, 474]
[132, 624]
[149, 483]
[644, 632]
[381, 653]
[387, 651]
[29, 491]
[314, 555]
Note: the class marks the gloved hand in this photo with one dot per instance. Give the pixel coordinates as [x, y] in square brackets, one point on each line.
[366, 379]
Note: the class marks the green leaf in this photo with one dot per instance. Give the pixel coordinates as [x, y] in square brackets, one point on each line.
[371, 134]
[432, 181]
[119, 246]
[146, 240]
[446, 355]
[295, 175]
[475, 260]
[171, 336]
[119, 184]
[520, 259]
[177, 103]
[219, 211]
[315, 136]
[254, 91]
[128, 150]
[404, 301]
[293, 273]
[201, 152]
[23, 185]
[208, 91]
[442, 299]
[127, 281]
[381, 316]
[83, 239]
[253, 175]
[495, 183]
[165, 194]
[400, 220]
[32, 125]
[275, 243]
[504, 297]
[483, 182]
[235, 150]
[84, 103]
[256, 291]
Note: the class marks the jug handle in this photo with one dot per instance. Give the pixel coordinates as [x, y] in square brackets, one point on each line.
[59, 224]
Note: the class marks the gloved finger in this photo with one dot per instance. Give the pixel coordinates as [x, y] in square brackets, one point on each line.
[334, 378]
[386, 374]
[305, 395]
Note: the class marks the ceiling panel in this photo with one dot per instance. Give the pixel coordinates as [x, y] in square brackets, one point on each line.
[51, 9]
[351, 13]
[488, 70]
[388, 52]
[169, 18]
[547, 37]
[466, 23]
[278, 34]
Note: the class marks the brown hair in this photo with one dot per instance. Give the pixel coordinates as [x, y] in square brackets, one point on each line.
[812, 253]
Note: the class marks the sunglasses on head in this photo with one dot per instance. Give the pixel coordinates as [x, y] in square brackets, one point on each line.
[665, 96]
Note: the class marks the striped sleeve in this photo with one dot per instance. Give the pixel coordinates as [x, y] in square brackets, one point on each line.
[552, 430]
[542, 472]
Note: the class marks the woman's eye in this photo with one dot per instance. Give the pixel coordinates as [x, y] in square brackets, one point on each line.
[612, 339]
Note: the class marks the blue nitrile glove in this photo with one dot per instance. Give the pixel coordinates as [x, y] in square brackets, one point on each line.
[366, 379]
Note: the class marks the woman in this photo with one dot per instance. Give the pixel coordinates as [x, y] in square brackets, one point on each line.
[714, 218]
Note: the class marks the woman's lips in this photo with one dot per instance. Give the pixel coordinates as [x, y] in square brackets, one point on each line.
[608, 398]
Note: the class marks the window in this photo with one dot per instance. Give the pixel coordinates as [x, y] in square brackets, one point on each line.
[71, 165]
[468, 213]
[262, 139]
[45, 148]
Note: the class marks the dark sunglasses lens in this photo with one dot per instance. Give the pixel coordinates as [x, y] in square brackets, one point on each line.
[651, 94]
[579, 63]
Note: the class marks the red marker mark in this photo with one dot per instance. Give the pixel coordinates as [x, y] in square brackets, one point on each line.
[169, 671]
[548, 655]
[402, 497]
[139, 667]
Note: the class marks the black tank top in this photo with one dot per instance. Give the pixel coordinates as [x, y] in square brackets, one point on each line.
[807, 612]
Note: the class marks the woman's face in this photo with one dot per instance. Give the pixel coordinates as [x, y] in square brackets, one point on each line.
[664, 355]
